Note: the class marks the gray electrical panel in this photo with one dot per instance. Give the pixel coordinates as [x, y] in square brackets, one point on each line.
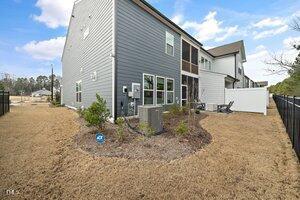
[152, 115]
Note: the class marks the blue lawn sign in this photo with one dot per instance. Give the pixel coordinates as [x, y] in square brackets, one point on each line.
[100, 138]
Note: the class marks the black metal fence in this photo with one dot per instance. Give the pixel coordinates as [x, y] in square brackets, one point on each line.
[4, 102]
[289, 110]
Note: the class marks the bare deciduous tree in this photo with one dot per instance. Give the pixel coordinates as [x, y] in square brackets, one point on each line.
[281, 64]
[295, 24]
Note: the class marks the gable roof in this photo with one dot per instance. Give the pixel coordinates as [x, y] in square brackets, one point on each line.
[227, 49]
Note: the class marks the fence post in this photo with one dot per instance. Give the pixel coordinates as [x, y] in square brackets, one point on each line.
[294, 120]
[286, 114]
[3, 103]
[8, 100]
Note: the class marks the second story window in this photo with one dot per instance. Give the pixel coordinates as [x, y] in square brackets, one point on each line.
[240, 70]
[206, 64]
[169, 44]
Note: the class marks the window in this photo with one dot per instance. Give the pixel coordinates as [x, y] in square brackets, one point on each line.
[78, 91]
[148, 89]
[160, 90]
[186, 48]
[190, 58]
[170, 91]
[169, 44]
[184, 80]
[194, 56]
[240, 70]
[86, 33]
[203, 62]
[206, 64]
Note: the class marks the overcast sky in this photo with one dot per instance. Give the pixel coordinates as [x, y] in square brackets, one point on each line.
[32, 32]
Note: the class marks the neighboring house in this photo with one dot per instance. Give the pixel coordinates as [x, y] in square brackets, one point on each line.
[251, 83]
[262, 83]
[229, 60]
[41, 93]
[247, 82]
[131, 54]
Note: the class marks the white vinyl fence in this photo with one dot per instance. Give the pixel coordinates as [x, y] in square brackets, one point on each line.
[248, 99]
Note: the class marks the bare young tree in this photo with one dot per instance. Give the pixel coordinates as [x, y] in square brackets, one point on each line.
[295, 24]
[280, 64]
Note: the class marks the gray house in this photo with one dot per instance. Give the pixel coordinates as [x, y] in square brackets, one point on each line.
[131, 54]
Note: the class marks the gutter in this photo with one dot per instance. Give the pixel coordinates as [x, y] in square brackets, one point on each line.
[234, 71]
[115, 101]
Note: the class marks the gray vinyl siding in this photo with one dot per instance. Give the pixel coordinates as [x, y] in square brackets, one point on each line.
[141, 49]
[92, 54]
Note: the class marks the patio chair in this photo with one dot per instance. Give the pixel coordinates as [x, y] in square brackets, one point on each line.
[225, 108]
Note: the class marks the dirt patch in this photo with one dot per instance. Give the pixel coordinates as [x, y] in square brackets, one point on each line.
[250, 157]
[166, 146]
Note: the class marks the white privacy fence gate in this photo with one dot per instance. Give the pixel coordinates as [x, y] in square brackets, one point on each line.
[248, 99]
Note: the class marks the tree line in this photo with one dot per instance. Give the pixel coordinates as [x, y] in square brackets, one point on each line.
[25, 86]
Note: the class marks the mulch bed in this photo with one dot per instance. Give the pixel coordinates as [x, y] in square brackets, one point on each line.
[166, 146]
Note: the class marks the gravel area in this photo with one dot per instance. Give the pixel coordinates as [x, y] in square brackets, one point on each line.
[250, 157]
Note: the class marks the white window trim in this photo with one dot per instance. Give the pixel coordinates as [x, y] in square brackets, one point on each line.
[173, 91]
[153, 90]
[156, 90]
[166, 45]
[79, 91]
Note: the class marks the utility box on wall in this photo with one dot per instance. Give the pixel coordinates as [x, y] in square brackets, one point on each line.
[152, 115]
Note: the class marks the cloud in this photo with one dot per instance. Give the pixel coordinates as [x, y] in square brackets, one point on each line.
[256, 68]
[230, 31]
[209, 28]
[290, 41]
[270, 32]
[177, 19]
[54, 13]
[269, 22]
[269, 27]
[44, 50]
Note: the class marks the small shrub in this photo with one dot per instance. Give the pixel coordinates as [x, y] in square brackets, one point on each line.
[120, 130]
[48, 99]
[97, 114]
[57, 97]
[56, 104]
[146, 129]
[175, 109]
[182, 128]
[184, 110]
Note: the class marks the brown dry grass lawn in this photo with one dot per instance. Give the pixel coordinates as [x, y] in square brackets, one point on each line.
[250, 157]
